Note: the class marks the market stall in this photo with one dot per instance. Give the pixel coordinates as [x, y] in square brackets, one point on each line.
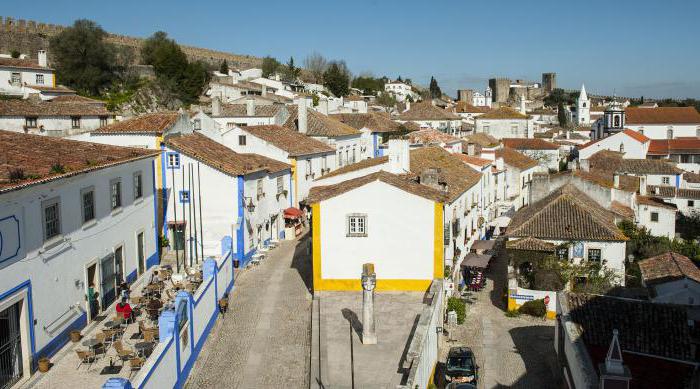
[293, 219]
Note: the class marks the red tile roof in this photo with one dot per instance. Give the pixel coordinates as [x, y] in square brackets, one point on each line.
[474, 160]
[667, 267]
[27, 159]
[431, 136]
[502, 113]
[293, 142]
[529, 144]
[427, 111]
[662, 115]
[674, 146]
[635, 135]
[150, 123]
[22, 63]
[32, 107]
[514, 158]
[655, 202]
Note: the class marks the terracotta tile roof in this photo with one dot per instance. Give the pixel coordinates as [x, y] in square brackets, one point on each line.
[622, 210]
[662, 115]
[76, 99]
[565, 214]
[666, 191]
[452, 171]
[529, 144]
[319, 125]
[635, 135]
[472, 160]
[516, 159]
[543, 111]
[150, 123]
[35, 155]
[598, 108]
[222, 158]
[693, 178]
[654, 202]
[241, 110]
[32, 107]
[403, 182]
[294, 143]
[530, 244]
[464, 107]
[353, 98]
[374, 121]
[411, 126]
[263, 99]
[482, 139]
[643, 327]
[246, 85]
[21, 63]
[430, 136]
[502, 113]
[46, 88]
[667, 267]
[363, 164]
[612, 161]
[426, 111]
[674, 146]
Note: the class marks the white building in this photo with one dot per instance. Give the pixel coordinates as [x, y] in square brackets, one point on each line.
[545, 153]
[519, 170]
[658, 216]
[17, 73]
[376, 128]
[631, 143]
[249, 114]
[428, 115]
[401, 91]
[431, 137]
[504, 122]
[684, 152]
[672, 279]
[52, 117]
[242, 196]
[68, 223]
[686, 200]
[654, 123]
[581, 114]
[468, 111]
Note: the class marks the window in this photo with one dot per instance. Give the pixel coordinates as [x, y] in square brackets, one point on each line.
[185, 196]
[563, 253]
[584, 104]
[40, 79]
[75, 121]
[641, 131]
[103, 121]
[324, 163]
[280, 184]
[655, 216]
[486, 128]
[138, 185]
[353, 154]
[197, 124]
[309, 169]
[665, 180]
[357, 225]
[697, 132]
[340, 158]
[52, 218]
[514, 129]
[241, 140]
[616, 121]
[691, 203]
[30, 122]
[669, 133]
[259, 189]
[115, 187]
[594, 255]
[16, 78]
[173, 160]
[230, 125]
[87, 196]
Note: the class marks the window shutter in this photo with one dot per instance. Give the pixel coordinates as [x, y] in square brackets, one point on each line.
[446, 234]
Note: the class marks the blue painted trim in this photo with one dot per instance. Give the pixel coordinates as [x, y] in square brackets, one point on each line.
[204, 291]
[157, 362]
[62, 338]
[375, 149]
[131, 277]
[240, 234]
[678, 180]
[30, 309]
[19, 238]
[155, 212]
[182, 198]
[167, 160]
[246, 258]
[152, 260]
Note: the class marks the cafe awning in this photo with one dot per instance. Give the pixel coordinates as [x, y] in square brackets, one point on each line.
[480, 261]
[293, 213]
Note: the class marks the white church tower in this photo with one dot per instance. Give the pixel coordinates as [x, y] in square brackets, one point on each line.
[583, 108]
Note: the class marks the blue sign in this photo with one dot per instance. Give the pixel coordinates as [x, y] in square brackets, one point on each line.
[578, 250]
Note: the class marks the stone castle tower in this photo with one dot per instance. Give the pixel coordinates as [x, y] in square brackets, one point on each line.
[549, 82]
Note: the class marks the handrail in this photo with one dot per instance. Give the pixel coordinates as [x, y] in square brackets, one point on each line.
[70, 309]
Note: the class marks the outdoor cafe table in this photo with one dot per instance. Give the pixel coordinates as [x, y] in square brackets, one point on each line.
[143, 347]
[112, 324]
[91, 343]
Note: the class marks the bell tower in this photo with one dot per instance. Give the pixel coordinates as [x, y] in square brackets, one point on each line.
[583, 108]
[614, 119]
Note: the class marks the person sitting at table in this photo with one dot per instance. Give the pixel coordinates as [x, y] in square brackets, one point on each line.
[154, 278]
[124, 310]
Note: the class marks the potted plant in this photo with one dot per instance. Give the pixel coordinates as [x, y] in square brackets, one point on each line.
[75, 336]
[44, 364]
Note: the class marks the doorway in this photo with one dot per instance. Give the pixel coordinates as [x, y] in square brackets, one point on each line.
[140, 257]
[108, 280]
[178, 233]
[92, 295]
[119, 264]
[11, 358]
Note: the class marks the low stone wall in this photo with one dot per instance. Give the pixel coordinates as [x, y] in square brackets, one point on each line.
[518, 296]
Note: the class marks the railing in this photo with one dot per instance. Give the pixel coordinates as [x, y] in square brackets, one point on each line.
[70, 309]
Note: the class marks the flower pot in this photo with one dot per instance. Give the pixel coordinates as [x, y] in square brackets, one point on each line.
[44, 364]
[75, 336]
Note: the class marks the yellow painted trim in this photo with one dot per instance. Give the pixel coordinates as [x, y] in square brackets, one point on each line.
[385, 285]
[316, 244]
[159, 163]
[293, 162]
[438, 252]
[431, 379]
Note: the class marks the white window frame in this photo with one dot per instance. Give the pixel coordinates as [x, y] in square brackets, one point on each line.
[39, 79]
[138, 185]
[116, 199]
[16, 78]
[665, 180]
[75, 122]
[83, 192]
[44, 206]
[356, 225]
[588, 253]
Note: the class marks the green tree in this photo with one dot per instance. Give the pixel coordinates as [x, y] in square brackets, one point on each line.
[337, 79]
[558, 96]
[224, 67]
[290, 72]
[270, 66]
[386, 100]
[15, 53]
[561, 115]
[369, 84]
[83, 60]
[435, 91]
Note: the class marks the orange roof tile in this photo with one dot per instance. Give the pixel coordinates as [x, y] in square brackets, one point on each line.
[662, 115]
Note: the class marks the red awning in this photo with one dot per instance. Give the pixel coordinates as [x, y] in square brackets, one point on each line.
[293, 213]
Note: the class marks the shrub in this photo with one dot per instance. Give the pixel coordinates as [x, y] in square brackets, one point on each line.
[17, 174]
[535, 308]
[457, 305]
[512, 313]
[57, 168]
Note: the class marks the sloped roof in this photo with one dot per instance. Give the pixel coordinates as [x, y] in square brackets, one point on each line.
[241, 110]
[20, 63]
[482, 139]
[565, 214]
[472, 160]
[516, 159]
[427, 111]
[622, 210]
[529, 144]
[76, 99]
[612, 161]
[35, 156]
[662, 115]
[639, 137]
[607, 179]
[667, 267]
[363, 164]
[35, 107]
[667, 191]
[430, 136]
[530, 244]
[222, 158]
[691, 177]
[654, 202]
[403, 182]
[150, 123]
[674, 146]
[464, 107]
[374, 121]
[294, 143]
[318, 124]
[502, 113]
[452, 171]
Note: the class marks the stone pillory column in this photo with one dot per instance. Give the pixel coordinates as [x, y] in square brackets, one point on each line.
[369, 282]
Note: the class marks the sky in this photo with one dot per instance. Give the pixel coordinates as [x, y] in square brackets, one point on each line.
[630, 48]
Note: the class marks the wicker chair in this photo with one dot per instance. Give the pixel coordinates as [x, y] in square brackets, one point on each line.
[150, 335]
[136, 364]
[85, 357]
[123, 353]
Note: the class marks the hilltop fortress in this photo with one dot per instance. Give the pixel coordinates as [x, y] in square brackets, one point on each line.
[28, 37]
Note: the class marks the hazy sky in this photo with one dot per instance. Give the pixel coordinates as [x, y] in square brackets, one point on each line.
[634, 48]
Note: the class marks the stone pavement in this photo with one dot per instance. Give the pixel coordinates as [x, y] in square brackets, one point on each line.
[511, 352]
[263, 340]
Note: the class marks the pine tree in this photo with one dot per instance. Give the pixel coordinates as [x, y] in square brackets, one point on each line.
[561, 115]
[337, 80]
[435, 91]
[224, 67]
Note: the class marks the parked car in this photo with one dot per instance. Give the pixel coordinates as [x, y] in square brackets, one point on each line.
[461, 366]
[456, 385]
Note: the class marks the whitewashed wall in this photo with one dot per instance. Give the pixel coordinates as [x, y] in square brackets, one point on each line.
[53, 125]
[502, 128]
[666, 226]
[659, 131]
[682, 292]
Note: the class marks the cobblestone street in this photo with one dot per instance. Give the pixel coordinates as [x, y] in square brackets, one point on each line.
[511, 352]
[263, 341]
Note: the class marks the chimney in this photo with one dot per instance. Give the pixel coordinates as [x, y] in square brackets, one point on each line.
[323, 106]
[302, 115]
[613, 373]
[264, 90]
[250, 106]
[399, 156]
[430, 177]
[616, 181]
[215, 106]
[568, 135]
[41, 58]
[643, 185]
[471, 149]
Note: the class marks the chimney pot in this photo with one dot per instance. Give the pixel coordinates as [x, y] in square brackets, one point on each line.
[215, 106]
[302, 115]
[41, 58]
[250, 106]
